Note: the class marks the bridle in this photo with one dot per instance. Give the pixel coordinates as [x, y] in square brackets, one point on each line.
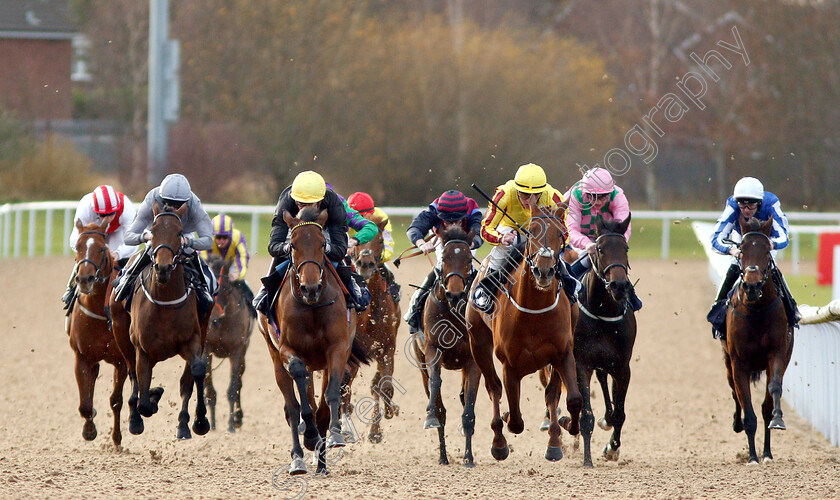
[98, 277]
[765, 273]
[297, 267]
[545, 251]
[442, 281]
[602, 273]
[175, 254]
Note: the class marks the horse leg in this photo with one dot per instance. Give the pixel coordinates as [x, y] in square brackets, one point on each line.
[375, 434]
[544, 376]
[120, 374]
[737, 422]
[333, 398]
[210, 393]
[146, 406]
[512, 388]
[186, 392]
[347, 428]
[553, 452]
[587, 417]
[468, 417]
[386, 367]
[234, 394]
[621, 382]
[574, 400]
[605, 423]
[297, 370]
[434, 381]
[481, 344]
[741, 376]
[292, 409]
[120, 322]
[771, 408]
[135, 420]
[86, 374]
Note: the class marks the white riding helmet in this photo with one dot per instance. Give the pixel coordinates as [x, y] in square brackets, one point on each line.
[748, 188]
[175, 187]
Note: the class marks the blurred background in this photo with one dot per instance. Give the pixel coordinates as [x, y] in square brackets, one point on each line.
[405, 99]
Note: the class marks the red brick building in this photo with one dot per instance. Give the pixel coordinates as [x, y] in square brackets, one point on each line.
[36, 55]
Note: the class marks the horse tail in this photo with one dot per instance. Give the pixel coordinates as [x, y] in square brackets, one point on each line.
[359, 354]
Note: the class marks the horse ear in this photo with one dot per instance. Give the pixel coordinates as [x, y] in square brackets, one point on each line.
[599, 226]
[744, 223]
[381, 224]
[471, 236]
[79, 225]
[767, 226]
[183, 210]
[104, 226]
[622, 228]
[156, 208]
[287, 218]
[322, 217]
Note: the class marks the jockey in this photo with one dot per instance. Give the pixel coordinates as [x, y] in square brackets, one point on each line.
[230, 245]
[363, 204]
[451, 208]
[196, 235]
[308, 189]
[595, 196]
[104, 205]
[517, 197]
[749, 199]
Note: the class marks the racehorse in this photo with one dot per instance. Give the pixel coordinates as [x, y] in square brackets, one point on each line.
[228, 336]
[531, 328]
[446, 342]
[90, 336]
[605, 334]
[311, 329]
[163, 323]
[377, 333]
[758, 338]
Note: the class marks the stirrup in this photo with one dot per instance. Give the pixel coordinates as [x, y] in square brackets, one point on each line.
[482, 300]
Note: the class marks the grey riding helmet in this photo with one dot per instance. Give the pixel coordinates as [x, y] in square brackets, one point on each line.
[175, 187]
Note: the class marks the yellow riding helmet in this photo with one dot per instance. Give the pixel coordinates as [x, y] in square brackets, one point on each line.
[308, 187]
[530, 178]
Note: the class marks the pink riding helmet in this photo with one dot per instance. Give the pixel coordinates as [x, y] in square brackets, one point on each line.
[598, 181]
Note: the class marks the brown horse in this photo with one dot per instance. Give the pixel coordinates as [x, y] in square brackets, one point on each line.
[228, 336]
[90, 337]
[531, 328]
[377, 333]
[446, 342]
[605, 334]
[758, 338]
[314, 331]
[163, 323]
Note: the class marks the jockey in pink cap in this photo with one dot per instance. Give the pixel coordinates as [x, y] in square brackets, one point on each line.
[595, 197]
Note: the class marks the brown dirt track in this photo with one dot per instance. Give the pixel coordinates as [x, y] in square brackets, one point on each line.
[677, 440]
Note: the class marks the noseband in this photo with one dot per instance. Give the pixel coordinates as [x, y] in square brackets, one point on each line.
[602, 273]
[765, 273]
[98, 277]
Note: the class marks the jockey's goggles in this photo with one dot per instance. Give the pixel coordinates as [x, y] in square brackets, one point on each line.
[590, 197]
[747, 203]
[102, 216]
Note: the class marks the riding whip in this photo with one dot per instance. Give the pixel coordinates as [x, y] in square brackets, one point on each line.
[482, 193]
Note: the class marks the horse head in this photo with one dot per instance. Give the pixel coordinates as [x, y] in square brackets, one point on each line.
[456, 262]
[610, 262]
[368, 256]
[93, 257]
[544, 248]
[166, 235]
[756, 260]
[308, 249]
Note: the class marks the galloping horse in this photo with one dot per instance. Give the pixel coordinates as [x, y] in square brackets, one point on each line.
[377, 333]
[758, 338]
[605, 334]
[164, 323]
[446, 342]
[90, 337]
[228, 336]
[314, 331]
[532, 328]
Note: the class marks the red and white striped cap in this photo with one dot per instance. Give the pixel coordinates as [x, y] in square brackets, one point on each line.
[106, 200]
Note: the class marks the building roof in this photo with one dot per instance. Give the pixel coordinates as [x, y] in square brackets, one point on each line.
[36, 19]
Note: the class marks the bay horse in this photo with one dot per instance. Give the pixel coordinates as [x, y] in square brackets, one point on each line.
[376, 331]
[163, 323]
[228, 336]
[605, 334]
[758, 338]
[446, 344]
[88, 329]
[312, 330]
[531, 328]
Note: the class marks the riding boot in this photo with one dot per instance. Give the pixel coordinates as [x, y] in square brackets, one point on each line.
[484, 296]
[393, 286]
[129, 274]
[414, 316]
[717, 315]
[633, 300]
[206, 297]
[70, 291]
[571, 285]
[355, 298]
[270, 284]
[791, 310]
[579, 267]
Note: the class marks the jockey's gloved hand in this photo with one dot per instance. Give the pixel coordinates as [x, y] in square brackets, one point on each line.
[424, 246]
[185, 241]
[233, 275]
[591, 248]
[147, 235]
[287, 247]
[508, 239]
[735, 252]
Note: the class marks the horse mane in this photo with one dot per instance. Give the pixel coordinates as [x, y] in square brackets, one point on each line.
[215, 263]
[753, 224]
[454, 233]
[309, 214]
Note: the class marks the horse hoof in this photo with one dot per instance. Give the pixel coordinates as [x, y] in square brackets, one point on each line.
[183, 433]
[375, 437]
[611, 453]
[237, 419]
[336, 440]
[553, 453]
[89, 431]
[135, 426]
[767, 460]
[443, 461]
[778, 424]
[155, 394]
[322, 472]
[469, 464]
[500, 453]
[753, 461]
[431, 422]
[311, 442]
[349, 437]
[391, 411]
[201, 426]
[603, 424]
[297, 467]
[147, 410]
[564, 421]
[545, 425]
